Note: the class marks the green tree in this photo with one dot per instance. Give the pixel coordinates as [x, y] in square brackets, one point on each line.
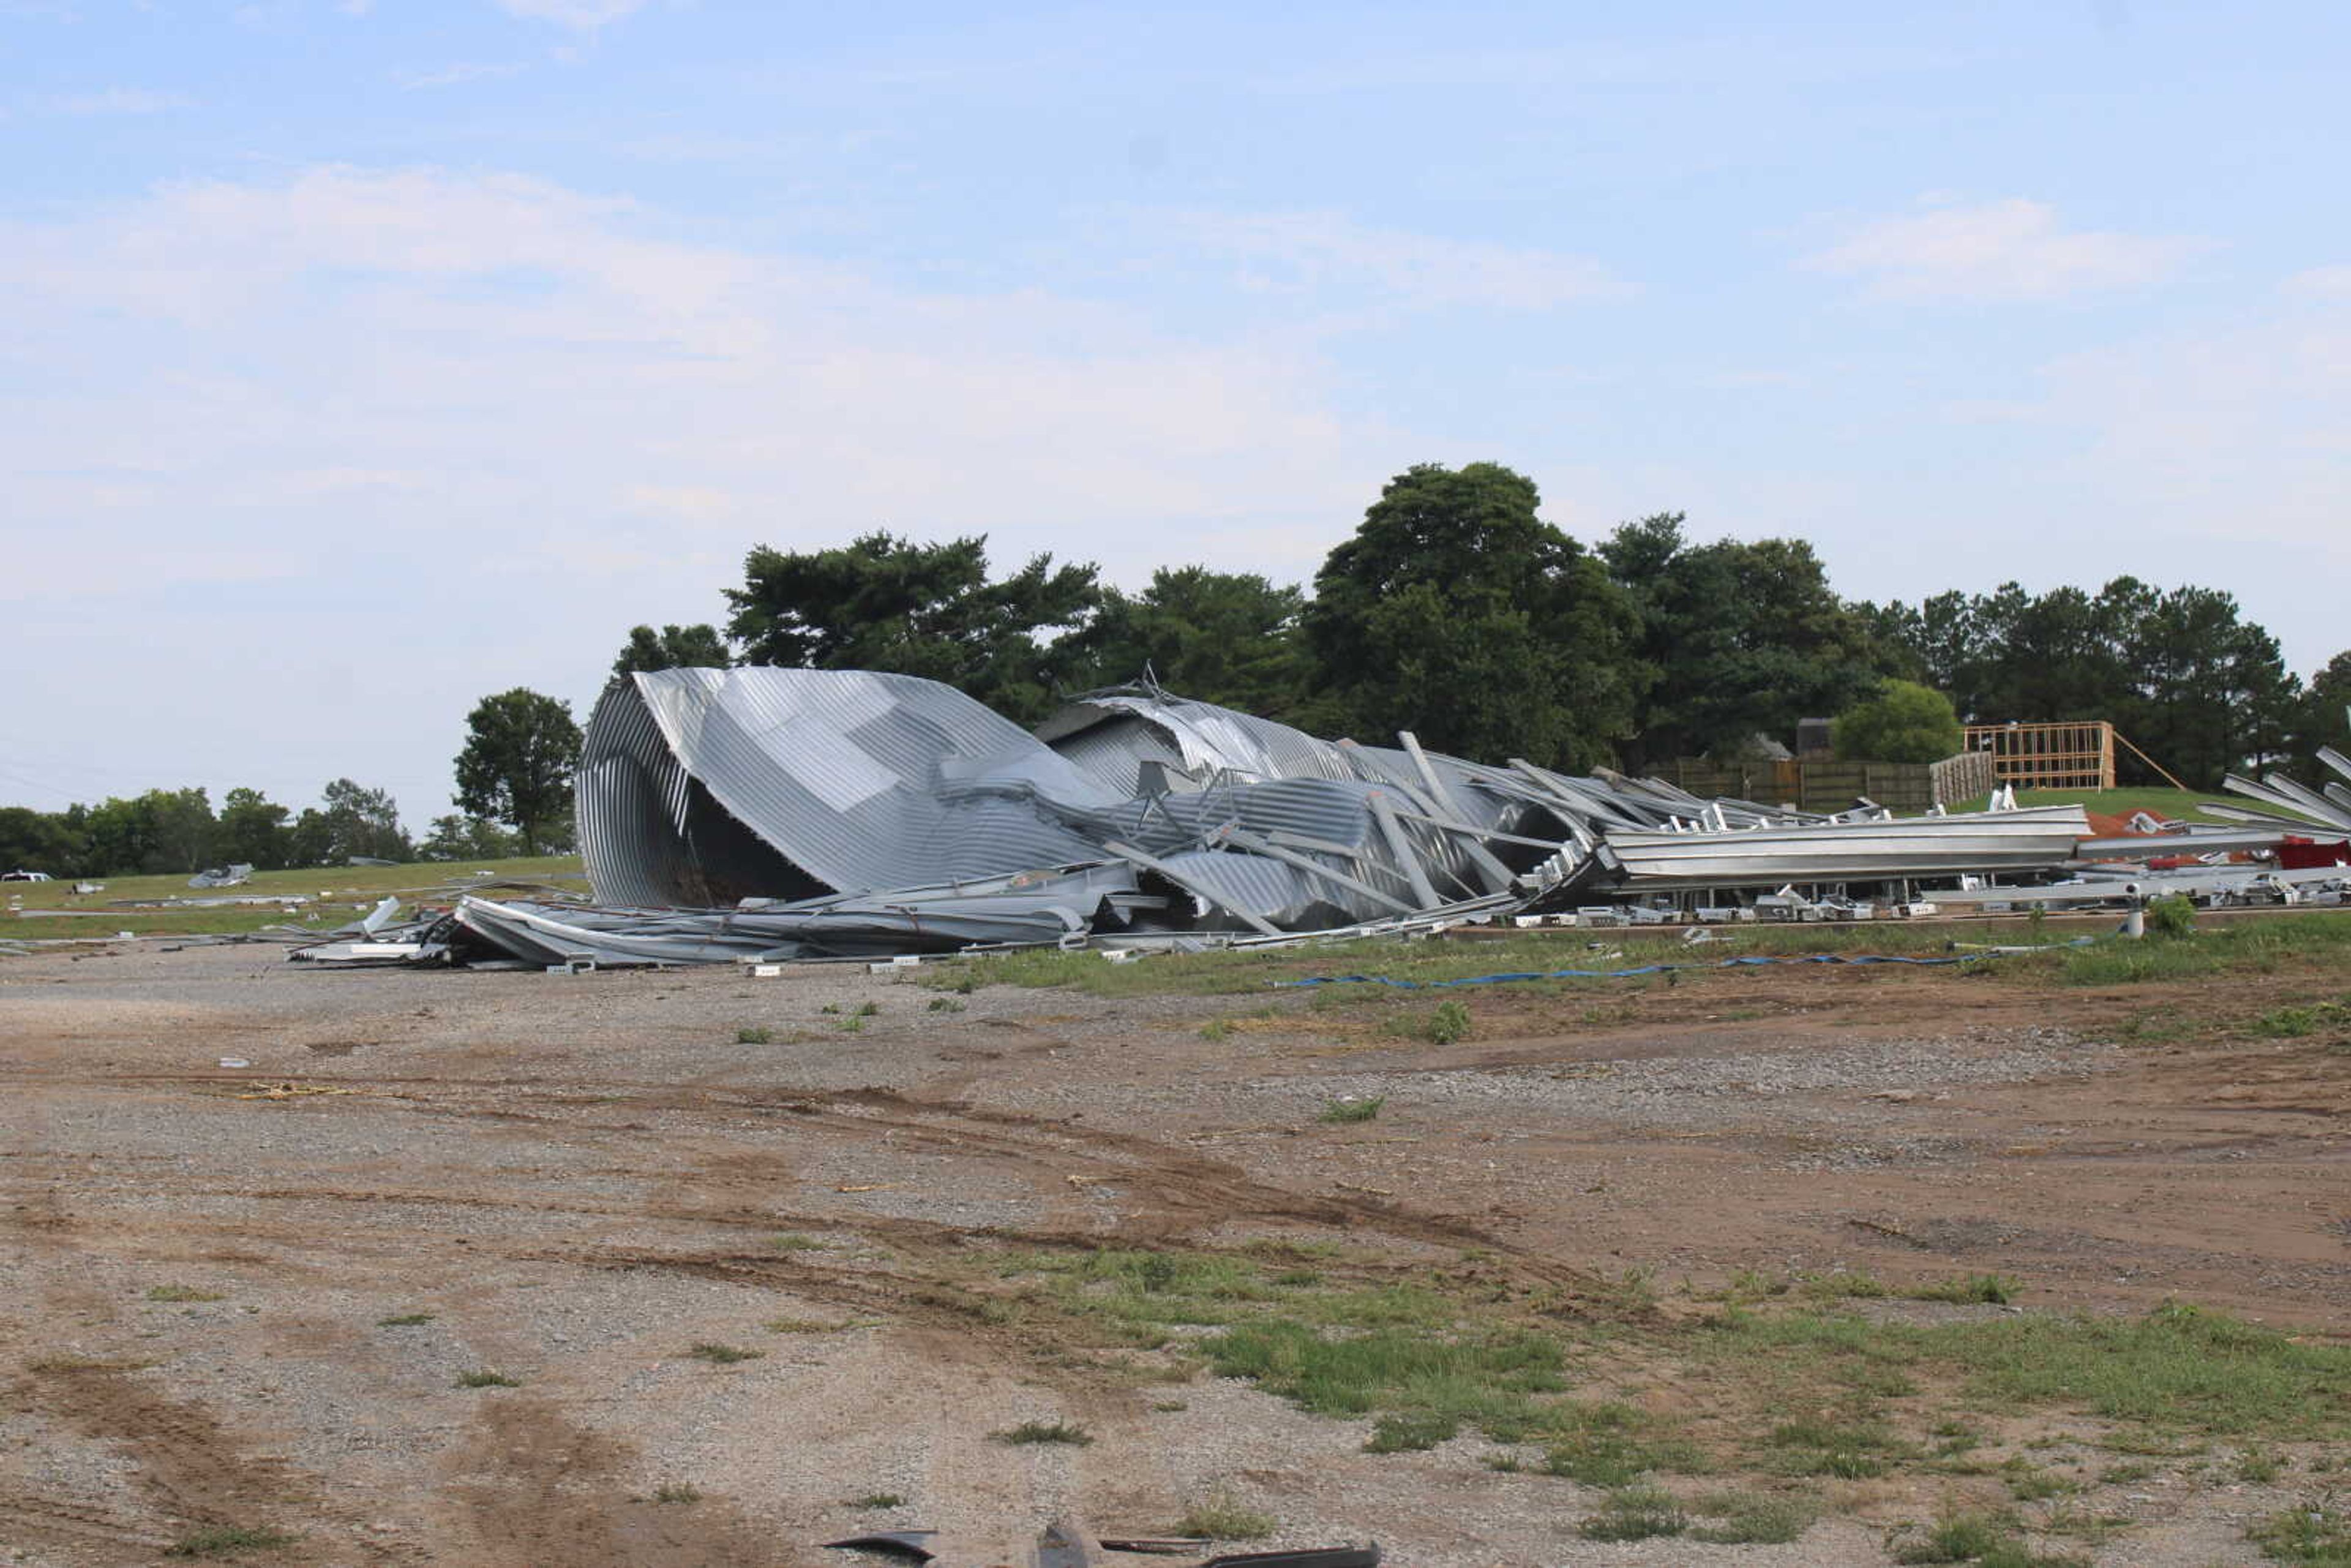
[1737, 639]
[520, 751]
[886, 603]
[1905, 723]
[456, 838]
[253, 830]
[158, 832]
[1221, 637]
[1457, 614]
[40, 841]
[2321, 720]
[672, 648]
[360, 821]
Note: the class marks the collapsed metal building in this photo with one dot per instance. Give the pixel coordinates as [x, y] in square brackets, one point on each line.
[785, 812]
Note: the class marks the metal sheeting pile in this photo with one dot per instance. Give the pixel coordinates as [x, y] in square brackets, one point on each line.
[803, 813]
[2293, 808]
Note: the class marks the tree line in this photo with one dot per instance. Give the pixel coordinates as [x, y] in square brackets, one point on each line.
[1455, 611]
[179, 831]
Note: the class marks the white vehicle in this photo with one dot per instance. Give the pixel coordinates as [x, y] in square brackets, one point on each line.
[23, 876]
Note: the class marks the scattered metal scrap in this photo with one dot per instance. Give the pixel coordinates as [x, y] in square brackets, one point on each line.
[765, 813]
[221, 876]
[1065, 1543]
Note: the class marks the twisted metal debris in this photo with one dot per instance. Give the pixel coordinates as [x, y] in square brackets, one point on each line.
[777, 813]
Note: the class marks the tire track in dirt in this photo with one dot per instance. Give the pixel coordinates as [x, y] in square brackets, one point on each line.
[539, 1491]
[195, 1473]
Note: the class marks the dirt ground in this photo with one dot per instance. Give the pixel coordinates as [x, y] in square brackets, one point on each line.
[572, 1181]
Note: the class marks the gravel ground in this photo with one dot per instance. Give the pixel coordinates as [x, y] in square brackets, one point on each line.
[579, 1179]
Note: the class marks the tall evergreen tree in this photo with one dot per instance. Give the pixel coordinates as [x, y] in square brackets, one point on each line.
[1455, 611]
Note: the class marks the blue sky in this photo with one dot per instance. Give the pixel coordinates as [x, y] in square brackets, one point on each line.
[357, 359]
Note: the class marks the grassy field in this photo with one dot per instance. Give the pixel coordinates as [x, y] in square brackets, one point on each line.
[2248, 946]
[2176, 805]
[1785, 1388]
[334, 892]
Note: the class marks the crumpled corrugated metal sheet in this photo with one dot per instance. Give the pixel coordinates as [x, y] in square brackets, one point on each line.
[844, 813]
[822, 781]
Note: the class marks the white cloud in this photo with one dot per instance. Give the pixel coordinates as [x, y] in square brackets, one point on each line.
[455, 75]
[1313, 252]
[2321, 283]
[116, 101]
[490, 422]
[583, 14]
[2008, 250]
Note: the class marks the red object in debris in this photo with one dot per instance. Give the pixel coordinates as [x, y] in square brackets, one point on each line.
[2309, 855]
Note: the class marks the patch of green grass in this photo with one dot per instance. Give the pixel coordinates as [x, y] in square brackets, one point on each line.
[1491, 1381]
[2294, 1023]
[227, 1540]
[878, 1500]
[1045, 1432]
[2258, 1467]
[753, 1034]
[1448, 1023]
[794, 1241]
[1351, 1110]
[1990, 1540]
[484, 1378]
[853, 1024]
[404, 1320]
[183, 1293]
[1220, 1516]
[2028, 1482]
[2177, 1367]
[2314, 1533]
[1824, 1446]
[723, 1354]
[1752, 1518]
[677, 1492]
[1635, 1513]
[946, 1005]
[2125, 1475]
[350, 890]
[865, 1010]
[1217, 1029]
[1605, 1458]
[1994, 1289]
[1407, 1431]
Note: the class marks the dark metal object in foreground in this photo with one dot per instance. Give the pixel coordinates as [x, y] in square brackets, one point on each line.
[1067, 1544]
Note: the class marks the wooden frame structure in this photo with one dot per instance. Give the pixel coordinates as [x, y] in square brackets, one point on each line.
[2075, 755]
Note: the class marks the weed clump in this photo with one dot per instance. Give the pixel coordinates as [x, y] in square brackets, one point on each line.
[723, 1354]
[1221, 1517]
[677, 1492]
[1995, 1290]
[1635, 1513]
[2313, 1534]
[183, 1293]
[1751, 1519]
[403, 1319]
[752, 1034]
[227, 1540]
[1352, 1110]
[484, 1378]
[1407, 1431]
[1045, 1432]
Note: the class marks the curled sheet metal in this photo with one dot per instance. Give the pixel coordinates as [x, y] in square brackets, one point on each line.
[820, 813]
